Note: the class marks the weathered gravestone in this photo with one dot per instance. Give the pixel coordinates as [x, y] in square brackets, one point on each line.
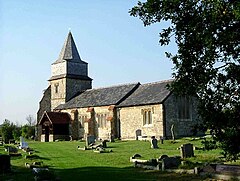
[90, 140]
[228, 169]
[5, 165]
[23, 144]
[187, 150]
[11, 149]
[138, 134]
[162, 157]
[154, 142]
[170, 162]
[104, 143]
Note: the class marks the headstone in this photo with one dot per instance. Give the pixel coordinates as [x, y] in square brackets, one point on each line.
[90, 140]
[136, 156]
[209, 169]
[112, 138]
[161, 139]
[170, 162]
[138, 133]
[104, 143]
[11, 149]
[154, 142]
[228, 169]
[187, 150]
[162, 157]
[5, 165]
[23, 144]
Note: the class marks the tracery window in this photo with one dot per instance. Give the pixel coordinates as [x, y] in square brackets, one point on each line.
[147, 117]
[102, 120]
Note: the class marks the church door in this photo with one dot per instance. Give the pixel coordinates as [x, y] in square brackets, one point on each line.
[47, 134]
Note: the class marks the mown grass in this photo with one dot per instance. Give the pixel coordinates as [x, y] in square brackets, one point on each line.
[69, 163]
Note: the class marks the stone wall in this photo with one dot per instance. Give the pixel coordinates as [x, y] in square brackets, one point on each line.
[59, 68]
[131, 122]
[74, 86]
[182, 127]
[44, 105]
[58, 97]
[77, 68]
[86, 122]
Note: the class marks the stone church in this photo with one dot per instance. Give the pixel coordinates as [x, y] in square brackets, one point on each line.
[71, 109]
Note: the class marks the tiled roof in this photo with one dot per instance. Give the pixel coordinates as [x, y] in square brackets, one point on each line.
[56, 117]
[150, 93]
[100, 96]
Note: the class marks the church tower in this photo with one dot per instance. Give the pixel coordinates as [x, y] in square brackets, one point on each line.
[69, 74]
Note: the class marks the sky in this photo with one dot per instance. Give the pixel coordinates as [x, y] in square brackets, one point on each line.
[117, 47]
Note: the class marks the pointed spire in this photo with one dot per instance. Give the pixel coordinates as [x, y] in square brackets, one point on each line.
[69, 50]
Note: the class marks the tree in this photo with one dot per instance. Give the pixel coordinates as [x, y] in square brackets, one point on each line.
[7, 130]
[30, 119]
[27, 131]
[207, 63]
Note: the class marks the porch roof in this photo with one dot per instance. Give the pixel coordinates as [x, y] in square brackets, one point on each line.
[55, 118]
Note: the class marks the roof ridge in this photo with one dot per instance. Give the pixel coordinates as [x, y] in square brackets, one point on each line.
[162, 81]
[118, 85]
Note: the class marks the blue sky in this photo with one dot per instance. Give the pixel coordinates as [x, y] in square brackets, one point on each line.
[117, 47]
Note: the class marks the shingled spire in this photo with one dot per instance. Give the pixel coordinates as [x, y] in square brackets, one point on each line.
[69, 50]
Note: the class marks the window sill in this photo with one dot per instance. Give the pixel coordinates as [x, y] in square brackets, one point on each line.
[148, 125]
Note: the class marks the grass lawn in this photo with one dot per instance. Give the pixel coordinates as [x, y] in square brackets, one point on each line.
[69, 163]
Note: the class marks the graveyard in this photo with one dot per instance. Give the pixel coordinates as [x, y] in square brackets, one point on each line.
[72, 160]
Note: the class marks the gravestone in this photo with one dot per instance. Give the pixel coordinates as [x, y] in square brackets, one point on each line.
[154, 142]
[104, 143]
[162, 157]
[23, 144]
[136, 156]
[161, 139]
[187, 150]
[138, 133]
[5, 165]
[170, 162]
[90, 140]
[228, 169]
[11, 149]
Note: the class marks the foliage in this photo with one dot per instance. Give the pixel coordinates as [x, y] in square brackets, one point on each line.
[10, 130]
[207, 63]
[16, 132]
[6, 130]
[27, 131]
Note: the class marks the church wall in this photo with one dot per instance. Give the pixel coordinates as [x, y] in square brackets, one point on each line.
[74, 86]
[182, 127]
[94, 122]
[58, 92]
[44, 105]
[59, 68]
[76, 68]
[132, 121]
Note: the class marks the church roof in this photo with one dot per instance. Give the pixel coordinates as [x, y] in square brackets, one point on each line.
[151, 93]
[55, 118]
[100, 96]
[69, 51]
